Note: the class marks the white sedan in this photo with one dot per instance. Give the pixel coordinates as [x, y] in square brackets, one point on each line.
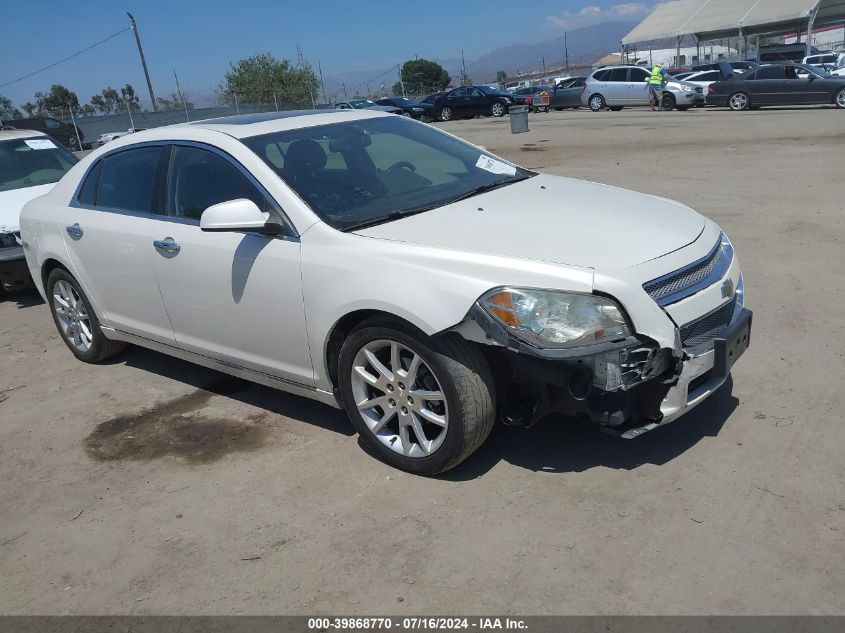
[107, 137]
[30, 163]
[386, 267]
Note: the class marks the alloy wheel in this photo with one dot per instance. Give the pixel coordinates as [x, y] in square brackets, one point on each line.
[74, 321]
[446, 114]
[840, 99]
[498, 110]
[399, 398]
[739, 101]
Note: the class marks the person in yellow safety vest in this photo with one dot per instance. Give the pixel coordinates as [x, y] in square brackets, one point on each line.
[655, 86]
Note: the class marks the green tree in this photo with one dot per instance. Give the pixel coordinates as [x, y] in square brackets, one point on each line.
[59, 98]
[501, 76]
[422, 75]
[30, 108]
[129, 99]
[173, 103]
[260, 78]
[87, 110]
[108, 101]
[8, 109]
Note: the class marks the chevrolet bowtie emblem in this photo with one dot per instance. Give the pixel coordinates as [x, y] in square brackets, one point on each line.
[728, 289]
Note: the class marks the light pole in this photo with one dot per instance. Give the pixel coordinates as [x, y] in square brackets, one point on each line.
[143, 60]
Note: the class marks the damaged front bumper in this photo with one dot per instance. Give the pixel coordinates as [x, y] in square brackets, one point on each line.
[625, 388]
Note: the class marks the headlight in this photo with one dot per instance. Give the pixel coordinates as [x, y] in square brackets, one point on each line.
[547, 318]
[684, 87]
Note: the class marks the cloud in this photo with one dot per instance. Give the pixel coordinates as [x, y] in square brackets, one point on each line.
[593, 14]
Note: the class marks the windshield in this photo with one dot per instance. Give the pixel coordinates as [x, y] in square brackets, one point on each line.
[362, 103]
[490, 91]
[361, 172]
[32, 161]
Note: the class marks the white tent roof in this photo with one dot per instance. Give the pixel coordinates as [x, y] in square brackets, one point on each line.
[712, 19]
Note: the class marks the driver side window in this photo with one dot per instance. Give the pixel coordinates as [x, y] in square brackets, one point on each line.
[198, 179]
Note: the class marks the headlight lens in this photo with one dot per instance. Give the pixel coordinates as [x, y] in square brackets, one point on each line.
[556, 319]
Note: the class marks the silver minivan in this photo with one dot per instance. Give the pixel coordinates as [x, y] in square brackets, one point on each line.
[615, 87]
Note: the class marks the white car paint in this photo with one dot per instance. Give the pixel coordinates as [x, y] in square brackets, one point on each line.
[264, 308]
[11, 202]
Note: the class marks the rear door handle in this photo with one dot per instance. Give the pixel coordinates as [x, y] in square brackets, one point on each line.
[75, 231]
[168, 245]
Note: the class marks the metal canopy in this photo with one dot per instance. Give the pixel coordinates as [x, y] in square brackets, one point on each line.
[715, 19]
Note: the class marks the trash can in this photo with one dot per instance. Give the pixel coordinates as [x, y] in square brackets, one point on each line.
[519, 119]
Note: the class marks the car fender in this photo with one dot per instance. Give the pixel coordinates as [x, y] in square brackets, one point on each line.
[431, 288]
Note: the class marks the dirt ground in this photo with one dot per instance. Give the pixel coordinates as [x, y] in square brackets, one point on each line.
[148, 485]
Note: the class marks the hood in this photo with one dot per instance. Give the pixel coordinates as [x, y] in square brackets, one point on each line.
[557, 220]
[11, 203]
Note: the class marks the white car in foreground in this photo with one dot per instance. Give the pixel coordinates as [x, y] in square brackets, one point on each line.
[30, 162]
[386, 267]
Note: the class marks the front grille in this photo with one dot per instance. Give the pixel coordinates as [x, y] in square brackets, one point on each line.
[697, 337]
[688, 280]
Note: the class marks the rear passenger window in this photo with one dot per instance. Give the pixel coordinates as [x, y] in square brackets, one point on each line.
[602, 75]
[88, 191]
[198, 179]
[770, 72]
[619, 74]
[127, 180]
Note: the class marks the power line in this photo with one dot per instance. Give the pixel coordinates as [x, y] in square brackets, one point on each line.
[364, 83]
[76, 54]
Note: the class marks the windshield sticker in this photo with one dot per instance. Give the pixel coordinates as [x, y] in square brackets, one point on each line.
[495, 166]
[40, 143]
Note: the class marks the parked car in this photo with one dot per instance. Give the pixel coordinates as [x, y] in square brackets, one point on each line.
[705, 77]
[30, 162]
[470, 101]
[737, 66]
[615, 87]
[567, 94]
[778, 84]
[531, 96]
[106, 137]
[58, 130]
[415, 109]
[375, 264]
[366, 104]
[822, 61]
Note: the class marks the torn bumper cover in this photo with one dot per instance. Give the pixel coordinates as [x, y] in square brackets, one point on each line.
[626, 388]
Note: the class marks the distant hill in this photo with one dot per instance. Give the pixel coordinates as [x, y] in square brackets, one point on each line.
[586, 45]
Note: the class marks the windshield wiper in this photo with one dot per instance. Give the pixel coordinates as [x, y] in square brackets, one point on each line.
[490, 186]
[390, 217]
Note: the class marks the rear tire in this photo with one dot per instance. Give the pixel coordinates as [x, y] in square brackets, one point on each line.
[448, 368]
[840, 99]
[597, 103]
[75, 319]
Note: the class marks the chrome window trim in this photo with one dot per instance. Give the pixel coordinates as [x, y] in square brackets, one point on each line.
[74, 201]
[719, 271]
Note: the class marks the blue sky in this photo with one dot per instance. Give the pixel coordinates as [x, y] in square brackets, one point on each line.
[200, 37]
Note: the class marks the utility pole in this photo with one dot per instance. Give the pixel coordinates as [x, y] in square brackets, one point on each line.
[402, 81]
[323, 85]
[544, 66]
[143, 60]
[565, 51]
[179, 90]
[345, 96]
[129, 112]
[463, 69]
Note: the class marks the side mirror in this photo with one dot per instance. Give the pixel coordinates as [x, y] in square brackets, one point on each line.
[233, 215]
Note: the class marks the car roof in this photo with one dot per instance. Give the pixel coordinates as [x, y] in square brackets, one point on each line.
[247, 125]
[8, 135]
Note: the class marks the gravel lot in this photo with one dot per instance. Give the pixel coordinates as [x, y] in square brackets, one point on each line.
[148, 485]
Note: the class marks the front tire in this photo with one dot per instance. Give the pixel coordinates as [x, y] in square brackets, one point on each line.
[446, 113]
[75, 319]
[420, 404]
[668, 101]
[597, 103]
[498, 110]
[840, 99]
[739, 102]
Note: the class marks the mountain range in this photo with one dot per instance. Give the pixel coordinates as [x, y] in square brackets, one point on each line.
[585, 45]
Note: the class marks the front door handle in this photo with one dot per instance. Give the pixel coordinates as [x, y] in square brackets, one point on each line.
[167, 245]
[75, 231]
